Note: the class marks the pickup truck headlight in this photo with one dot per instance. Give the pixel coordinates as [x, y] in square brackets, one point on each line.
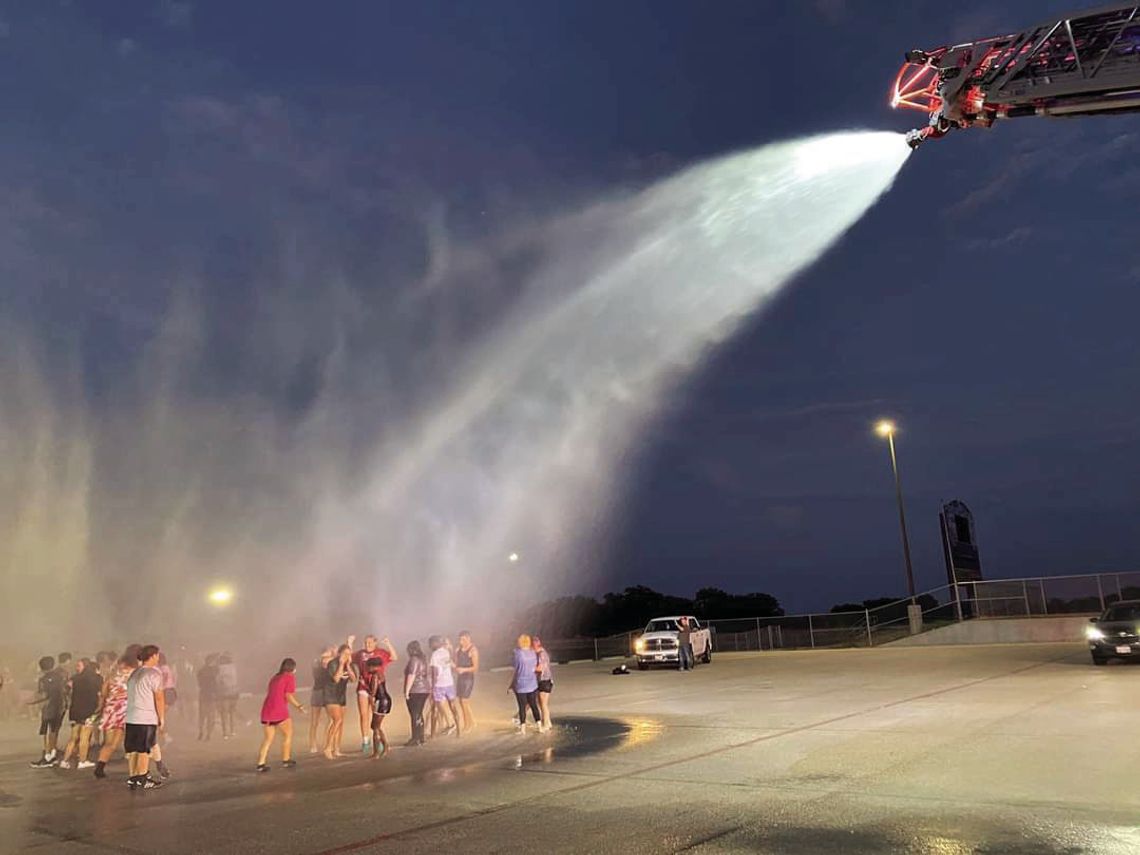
[1094, 634]
[639, 645]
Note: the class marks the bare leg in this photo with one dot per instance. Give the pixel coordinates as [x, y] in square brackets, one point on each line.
[287, 740]
[266, 741]
[142, 764]
[330, 731]
[72, 742]
[84, 742]
[314, 726]
[364, 707]
[544, 705]
[456, 716]
[112, 740]
[468, 716]
[339, 737]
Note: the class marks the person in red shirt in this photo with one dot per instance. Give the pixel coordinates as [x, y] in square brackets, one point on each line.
[363, 698]
[280, 695]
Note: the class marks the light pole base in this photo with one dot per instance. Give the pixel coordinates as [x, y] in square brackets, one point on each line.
[914, 614]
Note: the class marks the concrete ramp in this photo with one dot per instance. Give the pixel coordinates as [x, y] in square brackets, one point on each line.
[1002, 631]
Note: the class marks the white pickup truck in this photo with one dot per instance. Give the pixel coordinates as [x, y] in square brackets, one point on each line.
[658, 644]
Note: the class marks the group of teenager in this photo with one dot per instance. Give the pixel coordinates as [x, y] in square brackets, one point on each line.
[122, 701]
[437, 688]
[114, 701]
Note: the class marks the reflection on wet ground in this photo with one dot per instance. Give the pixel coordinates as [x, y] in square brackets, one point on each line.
[918, 752]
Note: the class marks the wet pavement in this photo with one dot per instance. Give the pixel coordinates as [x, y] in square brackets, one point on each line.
[939, 751]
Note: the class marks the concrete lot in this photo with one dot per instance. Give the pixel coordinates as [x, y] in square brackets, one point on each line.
[1000, 749]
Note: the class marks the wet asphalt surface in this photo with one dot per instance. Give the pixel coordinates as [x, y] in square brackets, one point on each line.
[1000, 750]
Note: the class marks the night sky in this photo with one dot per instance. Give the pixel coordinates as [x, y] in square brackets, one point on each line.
[988, 304]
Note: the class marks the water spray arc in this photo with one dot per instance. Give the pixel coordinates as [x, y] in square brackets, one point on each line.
[515, 449]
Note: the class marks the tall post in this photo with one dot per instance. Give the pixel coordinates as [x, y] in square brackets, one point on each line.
[867, 617]
[595, 648]
[1044, 602]
[771, 645]
[1100, 591]
[1025, 596]
[902, 516]
[811, 633]
[759, 646]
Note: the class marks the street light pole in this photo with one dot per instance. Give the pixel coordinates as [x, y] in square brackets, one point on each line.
[887, 429]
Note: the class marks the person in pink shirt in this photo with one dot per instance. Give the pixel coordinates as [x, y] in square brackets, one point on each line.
[275, 714]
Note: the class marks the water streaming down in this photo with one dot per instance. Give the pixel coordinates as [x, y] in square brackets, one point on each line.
[519, 446]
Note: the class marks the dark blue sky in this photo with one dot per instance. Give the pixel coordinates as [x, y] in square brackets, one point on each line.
[988, 304]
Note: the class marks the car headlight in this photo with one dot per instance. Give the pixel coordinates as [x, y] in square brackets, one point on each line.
[1094, 634]
[639, 645]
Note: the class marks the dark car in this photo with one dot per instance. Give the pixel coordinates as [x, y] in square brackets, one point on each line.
[1116, 633]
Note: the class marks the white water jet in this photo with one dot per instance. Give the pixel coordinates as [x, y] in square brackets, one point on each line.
[519, 446]
[525, 450]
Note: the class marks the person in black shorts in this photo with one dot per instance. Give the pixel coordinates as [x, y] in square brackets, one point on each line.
[146, 711]
[86, 687]
[322, 682]
[466, 667]
[51, 692]
[545, 674]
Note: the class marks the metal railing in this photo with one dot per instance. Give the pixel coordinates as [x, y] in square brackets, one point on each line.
[1036, 596]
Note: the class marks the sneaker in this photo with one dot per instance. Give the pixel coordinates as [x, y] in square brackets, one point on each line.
[100, 770]
[262, 767]
[521, 730]
[42, 763]
[288, 764]
[134, 783]
[149, 784]
[366, 746]
[163, 769]
[65, 764]
[84, 764]
[50, 756]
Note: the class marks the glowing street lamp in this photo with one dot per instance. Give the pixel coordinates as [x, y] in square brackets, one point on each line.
[886, 429]
[220, 596]
[513, 557]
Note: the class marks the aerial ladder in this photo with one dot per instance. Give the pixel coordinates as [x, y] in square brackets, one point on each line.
[1085, 64]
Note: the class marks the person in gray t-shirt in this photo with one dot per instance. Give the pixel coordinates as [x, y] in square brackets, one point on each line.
[146, 709]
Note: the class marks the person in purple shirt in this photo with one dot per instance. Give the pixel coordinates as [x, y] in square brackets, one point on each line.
[524, 683]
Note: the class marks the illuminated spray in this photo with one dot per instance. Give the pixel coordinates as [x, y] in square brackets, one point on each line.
[495, 488]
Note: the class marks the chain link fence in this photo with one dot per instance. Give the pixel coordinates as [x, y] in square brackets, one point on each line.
[1038, 596]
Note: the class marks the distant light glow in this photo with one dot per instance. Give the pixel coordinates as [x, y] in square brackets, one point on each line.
[885, 428]
[220, 596]
[513, 557]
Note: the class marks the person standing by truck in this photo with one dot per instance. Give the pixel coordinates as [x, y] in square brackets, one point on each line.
[684, 645]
